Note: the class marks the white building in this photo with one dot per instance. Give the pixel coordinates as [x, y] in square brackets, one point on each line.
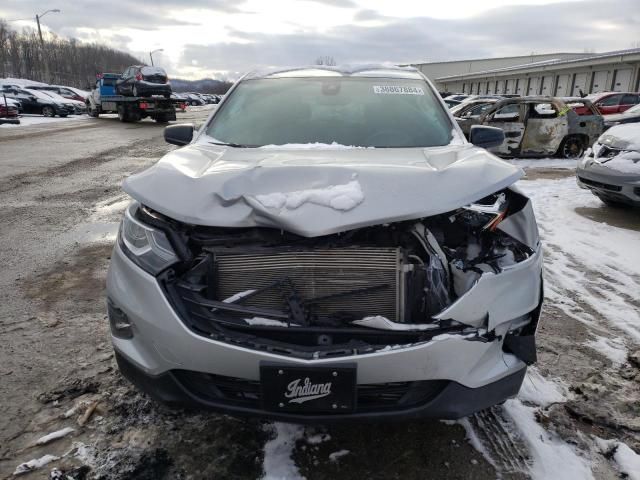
[560, 74]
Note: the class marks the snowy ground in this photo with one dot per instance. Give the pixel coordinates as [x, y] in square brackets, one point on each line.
[27, 120]
[576, 417]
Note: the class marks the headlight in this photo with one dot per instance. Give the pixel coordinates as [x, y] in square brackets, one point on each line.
[149, 248]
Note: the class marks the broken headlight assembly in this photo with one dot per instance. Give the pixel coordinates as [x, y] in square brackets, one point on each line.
[147, 247]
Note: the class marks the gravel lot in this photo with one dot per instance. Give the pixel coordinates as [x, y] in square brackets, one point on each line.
[578, 412]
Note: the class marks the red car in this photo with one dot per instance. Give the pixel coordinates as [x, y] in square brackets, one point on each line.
[613, 102]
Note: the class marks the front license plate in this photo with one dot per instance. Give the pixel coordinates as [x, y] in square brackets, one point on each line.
[323, 389]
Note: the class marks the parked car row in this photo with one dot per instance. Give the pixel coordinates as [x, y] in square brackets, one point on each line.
[606, 103]
[42, 101]
[195, 99]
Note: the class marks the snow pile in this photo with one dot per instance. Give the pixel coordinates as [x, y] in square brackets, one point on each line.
[552, 457]
[335, 456]
[625, 162]
[539, 391]
[311, 146]
[54, 436]
[237, 296]
[339, 197]
[278, 464]
[628, 461]
[612, 348]
[266, 322]
[34, 464]
[27, 120]
[556, 163]
[384, 323]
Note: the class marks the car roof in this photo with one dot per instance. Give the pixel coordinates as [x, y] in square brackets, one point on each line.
[368, 70]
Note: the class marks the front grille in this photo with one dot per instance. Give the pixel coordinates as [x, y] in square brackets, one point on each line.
[604, 186]
[247, 393]
[354, 281]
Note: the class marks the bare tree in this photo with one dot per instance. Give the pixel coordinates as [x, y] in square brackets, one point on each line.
[326, 60]
[56, 60]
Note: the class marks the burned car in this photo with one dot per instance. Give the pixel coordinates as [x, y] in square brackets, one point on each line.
[539, 126]
[327, 246]
[611, 169]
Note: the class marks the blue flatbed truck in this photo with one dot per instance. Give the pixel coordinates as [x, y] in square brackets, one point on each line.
[103, 99]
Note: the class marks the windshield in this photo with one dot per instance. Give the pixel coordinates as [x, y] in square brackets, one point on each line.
[38, 93]
[364, 112]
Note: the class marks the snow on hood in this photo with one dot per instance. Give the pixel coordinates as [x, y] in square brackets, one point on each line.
[313, 192]
[622, 137]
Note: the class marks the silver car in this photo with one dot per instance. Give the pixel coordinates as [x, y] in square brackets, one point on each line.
[611, 169]
[328, 246]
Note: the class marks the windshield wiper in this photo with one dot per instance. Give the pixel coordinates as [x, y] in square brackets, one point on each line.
[231, 144]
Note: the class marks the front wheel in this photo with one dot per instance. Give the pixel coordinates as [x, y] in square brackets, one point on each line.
[48, 111]
[123, 115]
[572, 148]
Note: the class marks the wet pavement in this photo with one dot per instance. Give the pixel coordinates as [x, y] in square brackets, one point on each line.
[59, 188]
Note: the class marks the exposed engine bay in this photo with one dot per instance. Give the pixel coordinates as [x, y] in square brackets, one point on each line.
[373, 286]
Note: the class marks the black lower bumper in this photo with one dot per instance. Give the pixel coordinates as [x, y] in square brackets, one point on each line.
[453, 401]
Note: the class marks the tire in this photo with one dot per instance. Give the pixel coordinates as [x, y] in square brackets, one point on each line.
[123, 115]
[161, 119]
[63, 115]
[572, 148]
[48, 111]
[92, 112]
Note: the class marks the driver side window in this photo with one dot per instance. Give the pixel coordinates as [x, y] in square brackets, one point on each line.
[508, 113]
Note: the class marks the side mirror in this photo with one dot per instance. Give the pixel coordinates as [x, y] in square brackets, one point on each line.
[179, 134]
[486, 137]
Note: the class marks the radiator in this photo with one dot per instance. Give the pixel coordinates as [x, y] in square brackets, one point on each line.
[318, 273]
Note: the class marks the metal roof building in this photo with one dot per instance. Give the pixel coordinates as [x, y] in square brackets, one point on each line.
[590, 73]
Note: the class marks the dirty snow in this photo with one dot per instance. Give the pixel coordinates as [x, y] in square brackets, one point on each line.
[552, 457]
[612, 348]
[559, 163]
[339, 197]
[267, 322]
[540, 391]
[474, 440]
[335, 456]
[35, 464]
[28, 120]
[627, 460]
[596, 247]
[384, 323]
[277, 463]
[54, 436]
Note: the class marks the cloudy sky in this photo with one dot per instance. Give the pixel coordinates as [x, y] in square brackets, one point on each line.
[223, 38]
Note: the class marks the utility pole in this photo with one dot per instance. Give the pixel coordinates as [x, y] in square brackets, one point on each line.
[151, 54]
[39, 29]
[46, 59]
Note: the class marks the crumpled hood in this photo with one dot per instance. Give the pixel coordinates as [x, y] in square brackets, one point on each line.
[316, 192]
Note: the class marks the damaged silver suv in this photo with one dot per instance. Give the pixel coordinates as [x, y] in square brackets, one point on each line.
[328, 246]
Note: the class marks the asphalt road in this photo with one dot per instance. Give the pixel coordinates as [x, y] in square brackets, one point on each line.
[61, 204]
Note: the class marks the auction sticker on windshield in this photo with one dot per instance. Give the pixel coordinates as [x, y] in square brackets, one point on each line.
[397, 90]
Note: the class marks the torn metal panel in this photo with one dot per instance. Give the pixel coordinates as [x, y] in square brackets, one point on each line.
[499, 298]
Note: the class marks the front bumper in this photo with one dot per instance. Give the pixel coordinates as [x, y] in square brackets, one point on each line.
[473, 373]
[608, 183]
[452, 401]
